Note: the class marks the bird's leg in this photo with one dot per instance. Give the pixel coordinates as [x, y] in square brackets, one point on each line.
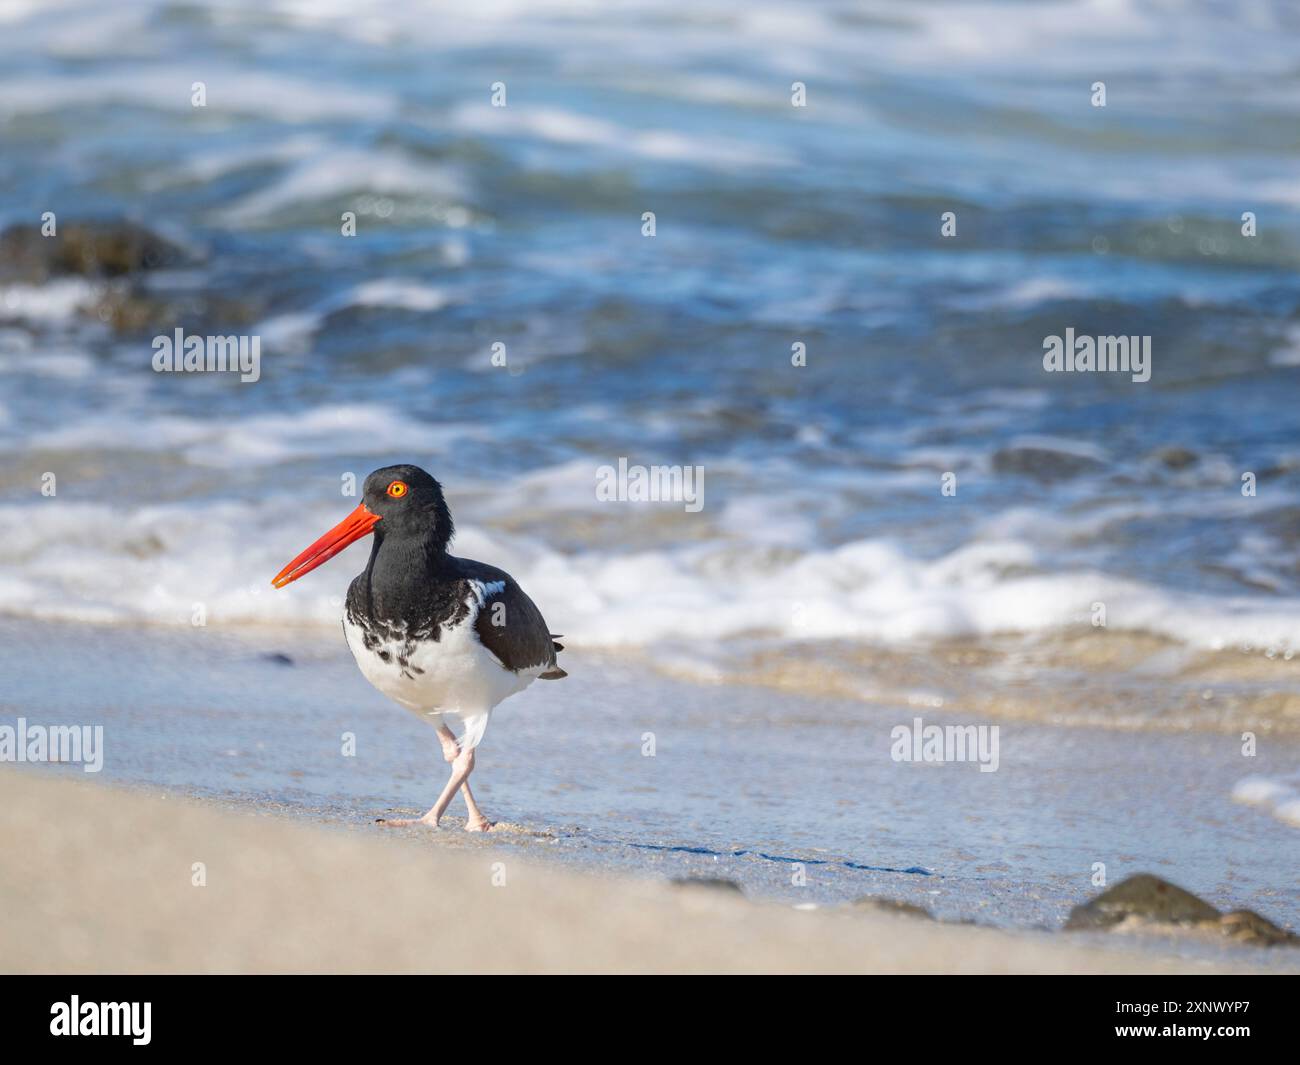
[460, 769]
[476, 822]
[450, 748]
[462, 764]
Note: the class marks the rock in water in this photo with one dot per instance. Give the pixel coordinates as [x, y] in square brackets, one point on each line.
[1177, 458]
[1044, 464]
[1145, 897]
[83, 249]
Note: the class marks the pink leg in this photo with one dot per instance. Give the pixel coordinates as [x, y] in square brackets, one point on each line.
[476, 822]
[460, 771]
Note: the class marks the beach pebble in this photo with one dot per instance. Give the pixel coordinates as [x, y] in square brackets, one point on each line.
[713, 883]
[1247, 926]
[883, 905]
[1148, 900]
[1143, 896]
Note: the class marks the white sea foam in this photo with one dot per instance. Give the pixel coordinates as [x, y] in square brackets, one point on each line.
[167, 87]
[1288, 352]
[55, 301]
[558, 126]
[293, 331]
[99, 562]
[334, 171]
[1035, 290]
[1280, 796]
[68, 364]
[214, 164]
[262, 439]
[406, 294]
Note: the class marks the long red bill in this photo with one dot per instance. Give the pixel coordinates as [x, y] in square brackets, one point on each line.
[351, 529]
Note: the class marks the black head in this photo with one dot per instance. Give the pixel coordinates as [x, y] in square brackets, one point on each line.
[401, 505]
[408, 503]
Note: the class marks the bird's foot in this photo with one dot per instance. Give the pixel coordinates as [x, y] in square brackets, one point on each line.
[479, 824]
[405, 822]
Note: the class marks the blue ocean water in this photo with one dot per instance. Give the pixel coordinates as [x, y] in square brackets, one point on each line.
[519, 229]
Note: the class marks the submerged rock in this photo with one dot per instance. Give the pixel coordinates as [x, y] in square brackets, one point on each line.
[127, 308]
[1177, 458]
[883, 905]
[114, 257]
[1044, 463]
[1147, 899]
[83, 249]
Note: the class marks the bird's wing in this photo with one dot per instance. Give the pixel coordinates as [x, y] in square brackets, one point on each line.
[510, 625]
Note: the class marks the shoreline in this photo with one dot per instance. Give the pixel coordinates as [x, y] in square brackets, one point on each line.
[104, 881]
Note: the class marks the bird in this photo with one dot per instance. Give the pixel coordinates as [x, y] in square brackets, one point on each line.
[444, 637]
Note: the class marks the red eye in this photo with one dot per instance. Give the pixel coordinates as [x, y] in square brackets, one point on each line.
[397, 489]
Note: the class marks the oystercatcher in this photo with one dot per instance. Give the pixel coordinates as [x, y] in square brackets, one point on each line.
[445, 637]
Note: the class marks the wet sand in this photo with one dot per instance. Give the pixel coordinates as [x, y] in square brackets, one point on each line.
[98, 879]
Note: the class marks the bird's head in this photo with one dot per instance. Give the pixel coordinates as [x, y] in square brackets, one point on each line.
[398, 502]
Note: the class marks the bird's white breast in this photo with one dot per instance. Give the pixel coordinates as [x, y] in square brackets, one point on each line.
[452, 674]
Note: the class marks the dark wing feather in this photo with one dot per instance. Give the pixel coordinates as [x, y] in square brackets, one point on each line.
[521, 640]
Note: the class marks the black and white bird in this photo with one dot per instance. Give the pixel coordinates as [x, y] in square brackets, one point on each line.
[445, 637]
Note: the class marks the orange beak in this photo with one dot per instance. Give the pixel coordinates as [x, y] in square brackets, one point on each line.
[359, 523]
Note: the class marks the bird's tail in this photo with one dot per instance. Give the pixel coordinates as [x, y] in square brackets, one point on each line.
[555, 672]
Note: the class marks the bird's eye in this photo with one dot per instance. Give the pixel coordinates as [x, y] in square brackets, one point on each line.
[397, 489]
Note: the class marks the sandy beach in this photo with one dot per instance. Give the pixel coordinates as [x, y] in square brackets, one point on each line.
[103, 881]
